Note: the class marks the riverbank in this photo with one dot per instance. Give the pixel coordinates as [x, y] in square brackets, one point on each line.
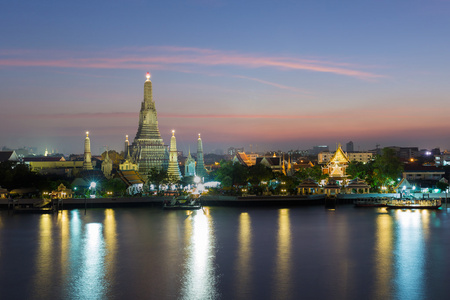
[213, 200]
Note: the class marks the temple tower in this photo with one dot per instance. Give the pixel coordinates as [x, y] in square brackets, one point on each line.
[87, 163]
[148, 149]
[173, 170]
[200, 168]
[126, 151]
[189, 165]
[107, 166]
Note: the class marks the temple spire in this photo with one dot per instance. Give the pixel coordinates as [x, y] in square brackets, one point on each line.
[173, 171]
[126, 151]
[200, 168]
[87, 163]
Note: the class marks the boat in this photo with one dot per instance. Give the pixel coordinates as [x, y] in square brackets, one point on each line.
[183, 203]
[371, 202]
[413, 203]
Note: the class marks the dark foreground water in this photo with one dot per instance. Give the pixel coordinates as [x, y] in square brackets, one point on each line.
[226, 253]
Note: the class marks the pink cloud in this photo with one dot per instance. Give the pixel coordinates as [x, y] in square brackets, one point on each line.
[167, 57]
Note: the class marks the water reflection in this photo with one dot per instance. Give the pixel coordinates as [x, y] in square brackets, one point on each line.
[383, 254]
[111, 243]
[283, 259]
[410, 253]
[243, 267]
[44, 258]
[199, 280]
[91, 283]
[63, 221]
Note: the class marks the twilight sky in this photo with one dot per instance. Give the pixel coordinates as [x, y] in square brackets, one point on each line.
[271, 74]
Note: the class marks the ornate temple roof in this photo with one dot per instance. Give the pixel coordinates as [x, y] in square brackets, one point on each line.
[340, 156]
[357, 183]
[131, 177]
[308, 183]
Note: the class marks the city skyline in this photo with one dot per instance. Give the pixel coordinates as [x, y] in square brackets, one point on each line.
[283, 77]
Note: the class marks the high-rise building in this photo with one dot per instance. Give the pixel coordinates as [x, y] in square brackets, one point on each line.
[200, 167]
[148, 149]
[173, 170]
[349, 146]
[87, 162]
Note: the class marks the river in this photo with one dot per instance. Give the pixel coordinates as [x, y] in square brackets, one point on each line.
[226, 253]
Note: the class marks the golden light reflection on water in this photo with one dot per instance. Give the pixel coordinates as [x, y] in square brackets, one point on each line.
[383, 254]
[199, 280]
[110, 233]
[243, 267]
[44, 257]
[63, 221]
[283, 260]
[341, 228]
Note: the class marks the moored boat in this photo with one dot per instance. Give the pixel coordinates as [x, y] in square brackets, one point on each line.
[183, 203]
[371, 202]
[412, 203]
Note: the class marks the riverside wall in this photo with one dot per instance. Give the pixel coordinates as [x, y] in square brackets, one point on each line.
[210, 200]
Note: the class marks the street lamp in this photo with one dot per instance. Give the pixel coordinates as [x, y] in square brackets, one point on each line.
[92, 188]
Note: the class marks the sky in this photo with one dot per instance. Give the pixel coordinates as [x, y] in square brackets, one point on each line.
[263, 75]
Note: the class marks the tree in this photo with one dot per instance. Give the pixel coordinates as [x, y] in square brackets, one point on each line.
[288, 183]
[385, 169]
[157, 177]
[256, 175]
[358, 169]
[115, 185]
[231, 174]
[313, 173]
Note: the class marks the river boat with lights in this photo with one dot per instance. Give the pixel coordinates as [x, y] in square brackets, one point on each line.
[412, 204]
[183, 203]
[371, 202]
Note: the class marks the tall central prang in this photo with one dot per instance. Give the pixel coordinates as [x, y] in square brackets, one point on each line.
[148, 148]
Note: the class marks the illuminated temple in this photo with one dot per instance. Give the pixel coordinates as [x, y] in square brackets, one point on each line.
[147, 149]
[336, 167]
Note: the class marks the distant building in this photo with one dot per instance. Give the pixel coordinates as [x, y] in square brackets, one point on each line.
[423, 177]
[317, 149]
[442, 160]
[61, 193]
[406, 153]
[233, 151]
[413, 173]
[8, 156]
[349, 147]
[54, 165]
[275, 163]
[246, 159]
